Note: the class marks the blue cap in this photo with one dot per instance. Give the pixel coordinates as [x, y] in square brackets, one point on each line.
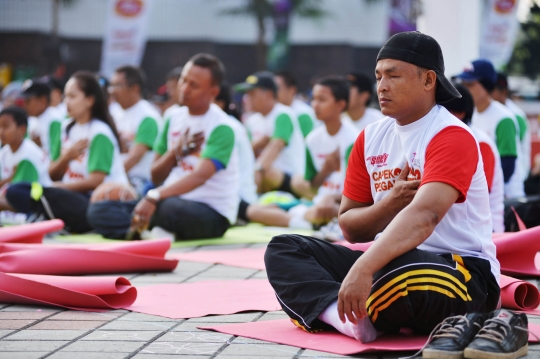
[479, 70]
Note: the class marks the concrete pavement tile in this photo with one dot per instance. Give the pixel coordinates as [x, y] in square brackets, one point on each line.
[168, 356]
[273, 316]
[77, 315]
[137, 325]
[103, 346]
[195, 337]
[67, 324]
[139, 281]
[260, 275]
[231, 318]
[23, 315]
[189, 348]
[37, 335]
[22, 355]
[63, 355]
[224, 272]
[30, 346]
[15, 323]
[3, 333]
[243, 340]
[267, 350]
[226, 356]
[318, 354]
[125, 335]
[140, 317]
[192, 327]
[30, 308]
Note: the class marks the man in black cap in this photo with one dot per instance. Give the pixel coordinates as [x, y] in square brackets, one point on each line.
[415, 185]
[358, 112]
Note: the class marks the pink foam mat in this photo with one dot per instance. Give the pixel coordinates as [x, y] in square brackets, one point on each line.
[192, 300]
[519, 295]
[284, 332]
[80, 293]
[29, 233]
[252, 258]
[517, 252]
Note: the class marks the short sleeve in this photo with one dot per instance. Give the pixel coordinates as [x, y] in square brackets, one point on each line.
[101, 155]
[306, 124]
[147, 132]
[26, 172]
[220, 145]
[347, 155]
[451, 158]
[160, 146]
[522, 127]
[357, 183]
[311, 171]
[55, 142]
[489, 163]
[506, 138]
[284, 128]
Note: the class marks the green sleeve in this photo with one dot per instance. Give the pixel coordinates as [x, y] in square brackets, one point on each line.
[311, 171]
[347, 155]
[284, 128]
[306, 123]
[160, 146]
[54, 140]
[147, 132]
[506, 138]
[220, 145]
[101, 155]
[26, 172]
[522, 127]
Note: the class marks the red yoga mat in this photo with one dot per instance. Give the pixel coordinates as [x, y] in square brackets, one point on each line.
[29, 233]
[192, 300]
[284, 332]
[143, 256]
[252, 258]
[517, 252]
[80, 293]
[519, 295]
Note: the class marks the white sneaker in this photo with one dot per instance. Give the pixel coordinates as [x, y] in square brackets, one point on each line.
[160, 233]
[332, 231]
[12, 218]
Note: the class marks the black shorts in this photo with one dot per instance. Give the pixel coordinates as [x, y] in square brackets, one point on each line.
[285, 186]
[242, 210]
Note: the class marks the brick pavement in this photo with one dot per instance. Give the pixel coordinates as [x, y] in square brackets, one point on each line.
[43, 332]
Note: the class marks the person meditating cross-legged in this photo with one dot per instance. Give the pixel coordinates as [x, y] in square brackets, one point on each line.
[414, 183]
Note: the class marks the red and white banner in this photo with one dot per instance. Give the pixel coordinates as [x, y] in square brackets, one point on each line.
[499, 30]
[126, 34]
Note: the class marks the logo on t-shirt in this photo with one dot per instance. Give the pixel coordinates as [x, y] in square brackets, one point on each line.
[378, 160]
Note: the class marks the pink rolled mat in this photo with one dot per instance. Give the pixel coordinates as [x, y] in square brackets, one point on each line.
[80, 293]
[29, 233]
[141, 256]
[519, 295]
[192, 300]
[517, 252]
[252, 258]
[284, 332]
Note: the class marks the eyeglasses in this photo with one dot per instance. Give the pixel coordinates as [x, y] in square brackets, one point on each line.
[118, 85]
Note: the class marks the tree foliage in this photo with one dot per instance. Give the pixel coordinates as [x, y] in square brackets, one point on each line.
[525, 59]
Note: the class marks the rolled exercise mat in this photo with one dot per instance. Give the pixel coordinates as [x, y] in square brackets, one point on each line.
[516, 251]
[29, 233]
[519, 295]
[79, 293]
[54, 259]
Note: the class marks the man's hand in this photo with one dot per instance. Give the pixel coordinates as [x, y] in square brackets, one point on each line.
[142, 214]
[77, 149]
[189, 144]
[353, 294]
[404, 191]
[331, 162]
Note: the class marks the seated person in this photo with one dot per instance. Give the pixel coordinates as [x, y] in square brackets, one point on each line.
[196, 164]
[463, 109]
[327, 153]
[275, 134]
[431, 258]
[358, 112]
[138, 126]
[90, 156]
[21, 160]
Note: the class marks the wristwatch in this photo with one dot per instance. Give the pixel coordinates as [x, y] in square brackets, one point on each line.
[153, 195]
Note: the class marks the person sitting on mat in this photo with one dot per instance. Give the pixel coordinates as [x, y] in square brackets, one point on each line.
[90, 156]
[196, 165]
[327, 153]
[21, 160]
[416, 186]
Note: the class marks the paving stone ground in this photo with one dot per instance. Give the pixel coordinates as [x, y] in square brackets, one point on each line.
[30, 332]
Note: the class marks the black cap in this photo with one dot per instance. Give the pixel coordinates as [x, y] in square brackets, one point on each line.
[262, 79]
[35, 88]
[424, 51]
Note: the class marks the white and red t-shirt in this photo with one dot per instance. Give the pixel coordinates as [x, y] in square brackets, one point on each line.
[438, 148]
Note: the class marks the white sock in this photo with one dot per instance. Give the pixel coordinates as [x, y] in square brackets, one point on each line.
[159, 233]
[300, 223]
[364, 331]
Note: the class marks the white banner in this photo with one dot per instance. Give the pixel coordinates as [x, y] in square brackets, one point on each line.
[125, 37]
[499, 31]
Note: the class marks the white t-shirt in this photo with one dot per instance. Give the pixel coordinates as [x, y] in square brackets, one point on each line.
[371, 115]
[30, 161]
[116, 111]
[494, 177]
[49, 129]
[525, 137]
[221, 191]
[496, 120]
[102, 154]
[438, 148]
[281, 123]
[306, 116]
[319, 144]
[140, 124]
[170, 111]
[62, 109]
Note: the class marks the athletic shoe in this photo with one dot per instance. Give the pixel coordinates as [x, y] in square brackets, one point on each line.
[453, 335]
[331, 232]
[504, 336]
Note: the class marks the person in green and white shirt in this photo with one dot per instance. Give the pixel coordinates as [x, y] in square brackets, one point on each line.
[276, 136]
[37, 95]
[358, 112]
[138, 127]
[287, 94]
[90, 156]
[21, 160]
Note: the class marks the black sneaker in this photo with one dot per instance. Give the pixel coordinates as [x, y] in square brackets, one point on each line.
[453, 336]
[504, 336]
